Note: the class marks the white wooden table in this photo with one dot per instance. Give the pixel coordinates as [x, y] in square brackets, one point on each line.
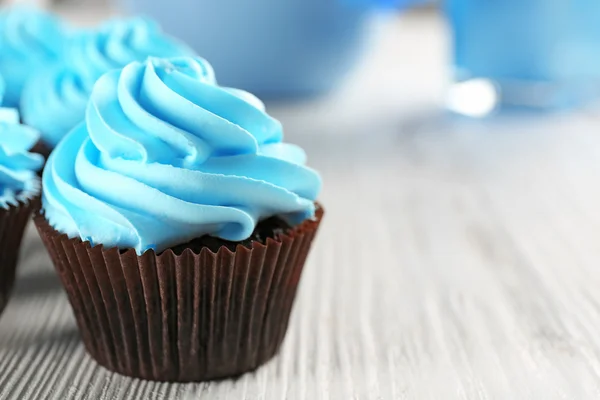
[458, 259]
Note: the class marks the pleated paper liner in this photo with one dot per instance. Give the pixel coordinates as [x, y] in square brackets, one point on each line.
[13, 221]
[187, 316]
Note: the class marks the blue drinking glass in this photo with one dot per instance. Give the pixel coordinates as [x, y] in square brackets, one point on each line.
[274, 48]
[537, 54]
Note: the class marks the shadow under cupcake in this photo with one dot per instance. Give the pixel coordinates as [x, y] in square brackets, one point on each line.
[179, 223]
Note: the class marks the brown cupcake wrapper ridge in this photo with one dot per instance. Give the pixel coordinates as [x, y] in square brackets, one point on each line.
[182, 317]
[13, 221]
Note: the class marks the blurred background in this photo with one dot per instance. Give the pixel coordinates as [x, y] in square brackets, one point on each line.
[458, 142]
[495, 55]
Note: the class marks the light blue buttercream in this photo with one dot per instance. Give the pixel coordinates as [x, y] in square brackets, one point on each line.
[18, 178]
[2, 89]
[30, 40]
[54, 102]
[165, 155]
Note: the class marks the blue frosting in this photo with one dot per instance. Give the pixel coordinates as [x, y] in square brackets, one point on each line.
[166, 155]
[30, 40]
[18, 178]
[2, 89]
[54, 102]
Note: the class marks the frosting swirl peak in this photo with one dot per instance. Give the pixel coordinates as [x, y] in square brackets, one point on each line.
[166, 155]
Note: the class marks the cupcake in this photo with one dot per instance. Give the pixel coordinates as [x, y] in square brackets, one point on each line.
[30, 41]
[54, 102]
[19, 192]
[179, 223]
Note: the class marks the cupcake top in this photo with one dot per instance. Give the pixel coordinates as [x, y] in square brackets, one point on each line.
[166, 156]
[30, 40]
[54, 102]
[18, 178]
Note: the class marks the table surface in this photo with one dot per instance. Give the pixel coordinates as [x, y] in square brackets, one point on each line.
[458, 259]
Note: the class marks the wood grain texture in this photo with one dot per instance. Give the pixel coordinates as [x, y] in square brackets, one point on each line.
[457, 260]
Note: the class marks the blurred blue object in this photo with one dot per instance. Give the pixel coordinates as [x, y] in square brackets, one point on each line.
[540, 54]
[385, 3]
[273, 48]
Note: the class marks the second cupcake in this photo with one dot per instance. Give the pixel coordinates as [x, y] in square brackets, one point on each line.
[19, 192]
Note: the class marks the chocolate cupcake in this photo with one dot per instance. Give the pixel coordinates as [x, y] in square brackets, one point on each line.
[179, 223]
[54, 101]
[19, 193]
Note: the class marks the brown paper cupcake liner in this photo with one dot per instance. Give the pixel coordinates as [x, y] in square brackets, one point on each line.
[41, 148]
[13, 221]
[182, 317]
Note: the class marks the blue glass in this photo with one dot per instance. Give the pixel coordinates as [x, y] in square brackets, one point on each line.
[273, 48]
[542, 54]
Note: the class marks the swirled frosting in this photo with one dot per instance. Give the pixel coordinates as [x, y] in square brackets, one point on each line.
[166, 155]
[2, 89]
[54, 102]
[30, 40]
[18, 178]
